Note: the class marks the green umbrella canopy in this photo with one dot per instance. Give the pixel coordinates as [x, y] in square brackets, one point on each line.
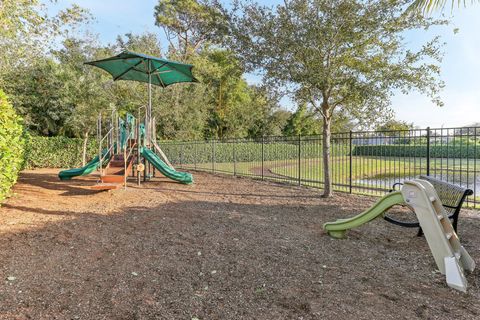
[137, 67]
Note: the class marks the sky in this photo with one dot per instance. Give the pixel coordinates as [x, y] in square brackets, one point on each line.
[460, 66]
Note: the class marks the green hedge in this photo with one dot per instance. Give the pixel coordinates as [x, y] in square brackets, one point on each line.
[12, 144]
[57, 152]
[436, 151]
[245, 151]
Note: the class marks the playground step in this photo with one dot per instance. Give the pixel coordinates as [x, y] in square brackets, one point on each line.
[120, 170]
[106, 186]
[112, 178]
[117, 163]
[118, 157]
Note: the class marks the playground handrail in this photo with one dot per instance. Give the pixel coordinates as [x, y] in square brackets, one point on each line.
[129, 129]
[106, 135]
[101, 155]
[104, 156]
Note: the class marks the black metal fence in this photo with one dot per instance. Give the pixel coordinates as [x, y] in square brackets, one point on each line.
[365, 162]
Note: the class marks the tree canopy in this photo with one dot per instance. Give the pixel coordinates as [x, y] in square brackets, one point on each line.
[338, 56]
[339, 61]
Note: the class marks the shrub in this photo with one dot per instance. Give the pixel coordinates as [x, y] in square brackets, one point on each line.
[246, 150]
[12, 143]
[452, 150]
[57, 152]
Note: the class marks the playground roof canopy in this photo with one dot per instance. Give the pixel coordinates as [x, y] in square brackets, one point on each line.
[144, 68]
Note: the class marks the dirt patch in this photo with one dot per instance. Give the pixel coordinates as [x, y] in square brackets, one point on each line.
[266, 171]
[224, 248]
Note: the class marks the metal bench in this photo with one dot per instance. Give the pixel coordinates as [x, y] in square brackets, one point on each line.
[452, 197]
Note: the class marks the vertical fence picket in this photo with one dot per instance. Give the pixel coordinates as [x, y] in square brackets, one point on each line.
[213, 155]
[350, 158]
[299, 158]
[234, 157]
[263, 156]
[428, 151]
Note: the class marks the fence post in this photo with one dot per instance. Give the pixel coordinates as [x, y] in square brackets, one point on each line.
[263, 155]
[213, 155]
[234, 156]
[195, 154]
[428, 151]
[299, 158]
[350, 160]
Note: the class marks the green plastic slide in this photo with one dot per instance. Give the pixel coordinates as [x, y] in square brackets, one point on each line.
[168, 172]
[338, 228]
[83, 171]
[87, 169]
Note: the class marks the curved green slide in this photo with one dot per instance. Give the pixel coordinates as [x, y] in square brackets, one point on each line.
[83, 171]
[168, 172]
[87, 169]
[337, 229]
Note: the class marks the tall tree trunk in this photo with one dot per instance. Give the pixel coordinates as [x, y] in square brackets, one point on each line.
[84, 150]
[327, 191]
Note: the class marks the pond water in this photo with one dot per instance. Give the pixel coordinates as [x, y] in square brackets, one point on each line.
[470, 181]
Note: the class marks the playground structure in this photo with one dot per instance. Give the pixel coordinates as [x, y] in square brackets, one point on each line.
[126, 149]
[125, 143]
[450, 256]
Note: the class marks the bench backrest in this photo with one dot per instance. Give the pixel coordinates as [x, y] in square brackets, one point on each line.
[451, 195]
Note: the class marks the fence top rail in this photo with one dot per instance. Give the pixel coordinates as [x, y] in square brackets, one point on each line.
[456, 132]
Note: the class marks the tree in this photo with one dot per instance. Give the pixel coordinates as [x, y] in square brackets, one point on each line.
[339, 56]
[302, 122]
[189, 24]
[28, 31]
[38, 95]
[236, 109]
[83, 88]
[267, 118]
[228, 106]
[394, 125]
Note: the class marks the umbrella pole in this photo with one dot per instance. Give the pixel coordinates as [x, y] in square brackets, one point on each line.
[149, 113]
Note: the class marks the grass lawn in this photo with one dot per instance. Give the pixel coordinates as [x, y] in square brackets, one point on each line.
[362, 167]
[371, 172]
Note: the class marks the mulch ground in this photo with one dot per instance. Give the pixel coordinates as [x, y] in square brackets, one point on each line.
[223, 248]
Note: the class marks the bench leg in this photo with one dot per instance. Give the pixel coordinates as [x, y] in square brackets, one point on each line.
[454, 223]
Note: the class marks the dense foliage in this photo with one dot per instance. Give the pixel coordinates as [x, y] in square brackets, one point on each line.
[11, 146]
[452, 150]
[57, 152]
[241, 150]
[62, 96]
